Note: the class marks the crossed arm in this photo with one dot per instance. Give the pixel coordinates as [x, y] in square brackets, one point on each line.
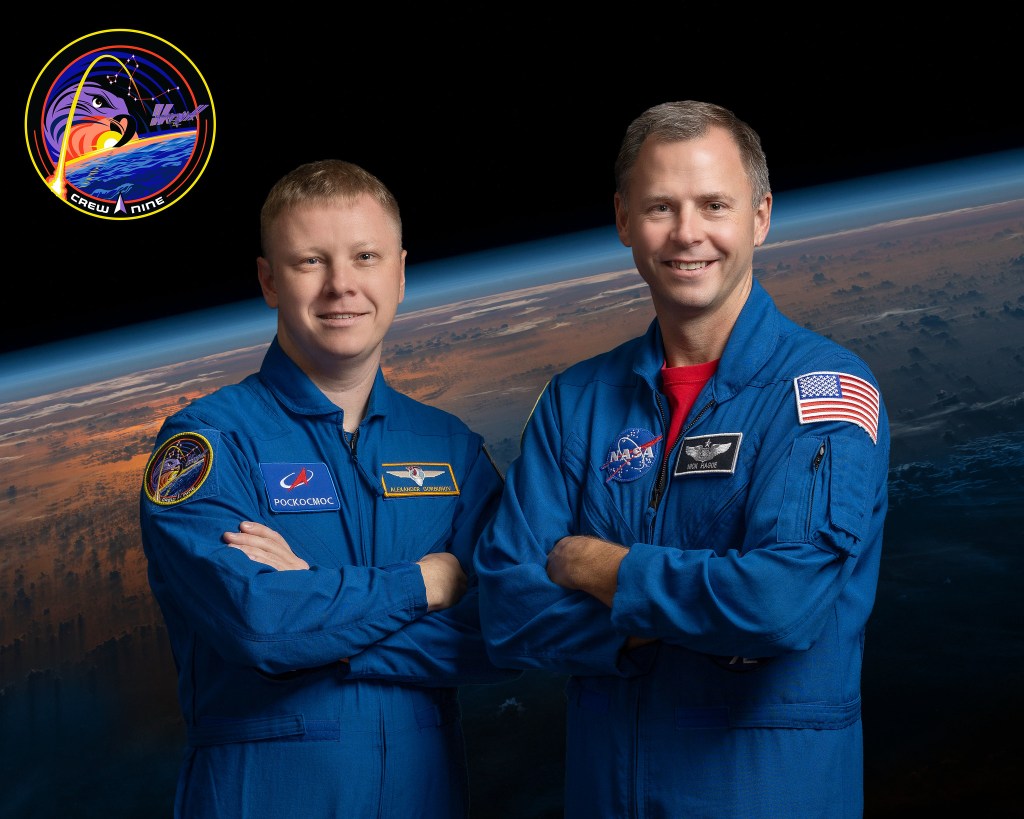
[443, 576]
[588, 564]
[591, 565]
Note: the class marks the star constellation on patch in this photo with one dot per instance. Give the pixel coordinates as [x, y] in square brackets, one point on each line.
[112, 80]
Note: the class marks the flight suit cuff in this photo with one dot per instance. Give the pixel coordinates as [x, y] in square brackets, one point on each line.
[413, 590]
[630, 606]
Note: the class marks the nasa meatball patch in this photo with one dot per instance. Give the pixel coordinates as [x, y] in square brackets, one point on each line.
[709, 454]
[178, 468]
[632, 454]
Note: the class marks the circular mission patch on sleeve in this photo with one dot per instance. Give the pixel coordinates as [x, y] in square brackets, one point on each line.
[178, 468]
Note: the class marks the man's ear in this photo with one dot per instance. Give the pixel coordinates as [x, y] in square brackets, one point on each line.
[762, 220]
[401, 284]
[622, 220]
[267, 283]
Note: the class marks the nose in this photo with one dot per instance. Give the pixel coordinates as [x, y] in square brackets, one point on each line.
[686, 229]
[338, 280]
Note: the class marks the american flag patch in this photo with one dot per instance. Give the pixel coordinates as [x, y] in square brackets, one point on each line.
[829, 396]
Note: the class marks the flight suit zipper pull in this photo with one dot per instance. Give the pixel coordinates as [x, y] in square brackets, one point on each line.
[351, 438]
[818, 457]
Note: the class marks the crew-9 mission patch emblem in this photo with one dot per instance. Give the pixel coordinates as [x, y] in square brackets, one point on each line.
[120, 124]
[178, 468]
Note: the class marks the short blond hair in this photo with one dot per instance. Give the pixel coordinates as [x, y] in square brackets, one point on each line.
[325, 181]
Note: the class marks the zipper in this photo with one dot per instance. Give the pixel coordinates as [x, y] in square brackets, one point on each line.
[351, 439]
[659, 486]
[818, 458]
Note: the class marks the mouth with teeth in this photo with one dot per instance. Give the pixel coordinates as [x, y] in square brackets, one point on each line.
[689, 265]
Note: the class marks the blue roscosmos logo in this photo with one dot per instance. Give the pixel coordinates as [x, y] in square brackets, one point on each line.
[120, 124]
[300, 487]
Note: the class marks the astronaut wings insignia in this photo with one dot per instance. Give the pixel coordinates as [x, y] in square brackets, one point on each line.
[416, 473]
[705, 452]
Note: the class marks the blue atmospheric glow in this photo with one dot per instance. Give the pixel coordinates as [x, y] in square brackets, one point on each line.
[873, 200]
[99, 356]
[796, 214]
[496, 271]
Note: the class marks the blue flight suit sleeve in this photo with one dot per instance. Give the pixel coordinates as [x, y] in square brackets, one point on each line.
[528, 620]
[812, 517]
[445, 648]
[249, 612]
[802, 549]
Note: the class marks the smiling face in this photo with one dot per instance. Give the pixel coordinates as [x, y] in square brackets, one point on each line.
[689, 219]
[335, 272]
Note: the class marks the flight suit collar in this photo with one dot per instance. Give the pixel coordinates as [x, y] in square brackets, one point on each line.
[751, 343]
[300, 395]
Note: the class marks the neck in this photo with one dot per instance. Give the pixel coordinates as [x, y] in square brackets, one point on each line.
[693, 342]
[346, 381]
[350, 391]
[699, 336]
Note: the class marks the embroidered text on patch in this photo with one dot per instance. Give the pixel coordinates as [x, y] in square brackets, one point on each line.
[833, 396]
[300, 487]
[631, 455]
[417, 478]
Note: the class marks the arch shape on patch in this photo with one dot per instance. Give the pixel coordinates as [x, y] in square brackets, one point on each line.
[709, 454]
[632, 454]
[178, 468]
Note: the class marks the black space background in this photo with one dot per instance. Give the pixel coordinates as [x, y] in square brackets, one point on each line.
[490, 132]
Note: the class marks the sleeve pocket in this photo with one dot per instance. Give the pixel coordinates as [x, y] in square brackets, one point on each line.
[797, 498]
[850, 490]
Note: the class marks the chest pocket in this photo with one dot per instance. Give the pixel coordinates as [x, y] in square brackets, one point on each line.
[414, 526]
[619, 517]
[706, 510]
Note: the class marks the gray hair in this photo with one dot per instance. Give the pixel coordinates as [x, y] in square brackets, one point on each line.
[689, 119]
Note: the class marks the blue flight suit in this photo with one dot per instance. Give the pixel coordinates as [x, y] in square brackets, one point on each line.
[753, 560]
[277, 724]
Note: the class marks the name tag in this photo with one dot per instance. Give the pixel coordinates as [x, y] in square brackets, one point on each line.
[709, 455]
[415, 479]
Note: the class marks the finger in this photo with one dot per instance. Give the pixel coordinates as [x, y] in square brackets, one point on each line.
[253, 528]
[240, 540]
